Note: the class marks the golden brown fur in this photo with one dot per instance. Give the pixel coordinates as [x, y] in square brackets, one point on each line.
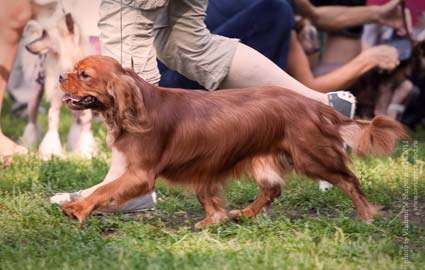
[199, 139]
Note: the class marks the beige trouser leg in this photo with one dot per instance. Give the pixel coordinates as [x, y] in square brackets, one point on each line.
[175, 31]
[127, 34]
[184, 43]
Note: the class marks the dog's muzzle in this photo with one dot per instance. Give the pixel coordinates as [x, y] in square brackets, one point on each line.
[81, 103]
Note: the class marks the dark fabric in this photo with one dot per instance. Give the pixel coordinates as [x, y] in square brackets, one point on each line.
[354, 32]
[415, 110]
[264, 25]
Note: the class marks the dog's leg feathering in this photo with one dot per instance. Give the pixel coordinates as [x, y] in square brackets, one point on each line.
[133, 183]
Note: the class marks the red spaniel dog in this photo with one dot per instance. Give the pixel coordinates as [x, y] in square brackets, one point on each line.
[200, 139]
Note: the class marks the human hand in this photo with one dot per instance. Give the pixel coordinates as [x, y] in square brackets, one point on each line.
[382, 56]
[391, 15]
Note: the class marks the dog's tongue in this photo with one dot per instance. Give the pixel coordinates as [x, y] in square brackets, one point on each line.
[70, 98]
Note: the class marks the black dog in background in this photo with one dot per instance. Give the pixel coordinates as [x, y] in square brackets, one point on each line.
[411, 67]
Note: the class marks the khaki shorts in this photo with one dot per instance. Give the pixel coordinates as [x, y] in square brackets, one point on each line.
[172, 30]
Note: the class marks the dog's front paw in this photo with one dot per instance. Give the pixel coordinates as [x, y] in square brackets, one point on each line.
[77, 210]
[214, 219]
[235, 214]
[247, 213]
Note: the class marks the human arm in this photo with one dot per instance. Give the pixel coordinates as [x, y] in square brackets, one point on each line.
[298, 66]
[333, 18]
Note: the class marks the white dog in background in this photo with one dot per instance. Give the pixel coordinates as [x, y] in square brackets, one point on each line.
[25, 85]
[62, 42]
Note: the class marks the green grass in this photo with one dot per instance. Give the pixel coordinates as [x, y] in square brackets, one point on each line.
[307, 229]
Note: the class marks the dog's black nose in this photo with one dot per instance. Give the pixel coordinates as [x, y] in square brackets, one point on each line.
[62, 77]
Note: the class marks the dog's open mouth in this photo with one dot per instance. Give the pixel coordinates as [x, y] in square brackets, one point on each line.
[81, 103]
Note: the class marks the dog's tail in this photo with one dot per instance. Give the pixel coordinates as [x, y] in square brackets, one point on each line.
[377, 137]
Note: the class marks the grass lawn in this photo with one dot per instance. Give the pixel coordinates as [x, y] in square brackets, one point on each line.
[307, 229]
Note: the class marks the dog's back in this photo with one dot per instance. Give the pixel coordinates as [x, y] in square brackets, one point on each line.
[212, 135]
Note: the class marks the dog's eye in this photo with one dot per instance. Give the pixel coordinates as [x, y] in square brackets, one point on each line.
[84, 75]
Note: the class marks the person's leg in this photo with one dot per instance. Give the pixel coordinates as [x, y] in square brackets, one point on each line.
[397, 104]
[187, 46]
[251, 68]
[215, 62]
[14, 14]
[127, 34]
[384, 98]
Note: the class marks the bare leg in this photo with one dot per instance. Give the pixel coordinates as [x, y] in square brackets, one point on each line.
[132, 184]
[384, 98]
[251, 68]
[399, 98]
[14, 14]
[211, 200]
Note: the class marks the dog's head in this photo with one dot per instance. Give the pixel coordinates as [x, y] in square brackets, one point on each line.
[36, 39]
[56, 36]
[102, 84]
[88, 85]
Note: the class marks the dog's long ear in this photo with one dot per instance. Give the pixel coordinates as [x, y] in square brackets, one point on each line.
[129, 109]
[69, 21]
[72, 28]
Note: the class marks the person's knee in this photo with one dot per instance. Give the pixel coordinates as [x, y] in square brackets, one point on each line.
[14, 21]
[20, 15]
[175, 44]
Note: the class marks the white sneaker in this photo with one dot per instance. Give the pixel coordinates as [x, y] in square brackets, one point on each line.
[324, 185]
[142, 203]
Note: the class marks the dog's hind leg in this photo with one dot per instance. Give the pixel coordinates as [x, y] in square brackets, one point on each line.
[210, 197]
[267, 174]
[336, 172]
[349, 184]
